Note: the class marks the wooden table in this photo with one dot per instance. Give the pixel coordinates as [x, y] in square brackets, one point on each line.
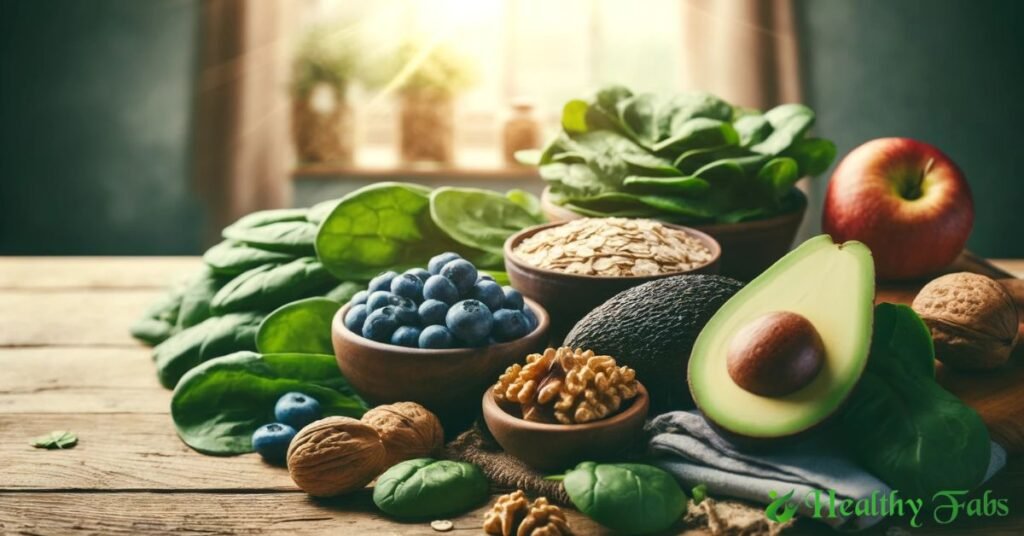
[67, 362]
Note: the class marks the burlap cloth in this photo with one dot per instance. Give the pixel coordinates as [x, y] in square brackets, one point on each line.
[718, 517]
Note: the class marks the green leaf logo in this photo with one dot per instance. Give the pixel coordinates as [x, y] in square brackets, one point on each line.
[772, 510]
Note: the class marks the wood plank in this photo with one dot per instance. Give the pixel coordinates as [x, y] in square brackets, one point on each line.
[71, 317]
[227, 513]
[93, 272]
[84, 380]
[121, 451]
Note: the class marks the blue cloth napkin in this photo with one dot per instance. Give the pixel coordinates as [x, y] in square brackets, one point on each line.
[693, 452]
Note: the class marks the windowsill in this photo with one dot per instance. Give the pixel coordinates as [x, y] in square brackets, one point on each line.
[382, 163]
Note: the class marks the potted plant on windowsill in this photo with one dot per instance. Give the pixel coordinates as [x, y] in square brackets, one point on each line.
[323, 126]
[428, 77]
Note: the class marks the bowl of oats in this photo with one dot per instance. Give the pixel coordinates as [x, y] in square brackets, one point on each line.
[571, 267]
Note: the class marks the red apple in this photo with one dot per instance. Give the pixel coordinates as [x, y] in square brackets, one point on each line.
[905, 200]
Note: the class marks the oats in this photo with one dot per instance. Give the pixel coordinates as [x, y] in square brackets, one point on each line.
[613, 247]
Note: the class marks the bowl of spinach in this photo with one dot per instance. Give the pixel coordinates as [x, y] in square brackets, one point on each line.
[689, 158]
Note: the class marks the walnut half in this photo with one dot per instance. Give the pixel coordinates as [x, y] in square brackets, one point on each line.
[514, 515]
[407, 429]
[567, 386]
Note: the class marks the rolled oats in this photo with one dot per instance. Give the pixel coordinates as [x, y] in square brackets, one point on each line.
[616, 247]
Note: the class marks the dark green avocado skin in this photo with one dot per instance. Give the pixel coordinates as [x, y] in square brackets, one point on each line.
[651, 328]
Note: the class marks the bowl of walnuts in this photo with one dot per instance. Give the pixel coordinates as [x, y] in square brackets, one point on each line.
[564, 406]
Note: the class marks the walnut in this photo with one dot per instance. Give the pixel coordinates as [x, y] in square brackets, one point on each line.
[513, 515]
[335, 455]
[567, 386]
[407, 429]
[972, 318]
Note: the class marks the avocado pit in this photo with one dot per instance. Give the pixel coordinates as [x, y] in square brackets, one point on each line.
[775, 354]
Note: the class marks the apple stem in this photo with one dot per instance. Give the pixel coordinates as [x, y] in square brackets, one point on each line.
[915, 188]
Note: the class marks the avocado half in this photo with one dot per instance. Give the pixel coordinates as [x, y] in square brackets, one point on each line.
[651, 329]
[832, 286]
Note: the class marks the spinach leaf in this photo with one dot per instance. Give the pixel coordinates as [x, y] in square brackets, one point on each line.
[59, 439]
[386, 226]
[319, 212]
[777, 178]
[527, 201]
[626, 497]
[424, 487]
[901, 425]
[639, 117]
[160, 319]
[752, 129]
[269, 286]
[479, 219]
[699, 132]
[210, 338]
[789, 122]
[679, 109]
[813, 155]
[219, 404]
[574, 116]
[232, 258]
[300, 327]
[195, 299]
[292, 237]
[682, 185]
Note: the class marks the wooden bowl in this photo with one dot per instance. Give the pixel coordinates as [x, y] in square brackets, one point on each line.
[748, 248]
[447, 382]
[553, 447]
[569, 297]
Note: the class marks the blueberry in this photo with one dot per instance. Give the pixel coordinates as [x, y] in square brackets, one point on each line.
[438, 261]
[271, 441]
[378, 299]
[510, 325]
[381, 323]
[381, 282]
[489, 293]
[408, 286]
[513, 299]
[359, 297]
[296, 410]
[462, 273]
[440, 288]
[432, 312]
[531, 317]
[406, 336]
[355, 317]
[421, 273]
[470, 321]
[436, 337]
[484, 276]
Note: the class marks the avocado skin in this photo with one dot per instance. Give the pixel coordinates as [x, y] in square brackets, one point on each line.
[651, 328]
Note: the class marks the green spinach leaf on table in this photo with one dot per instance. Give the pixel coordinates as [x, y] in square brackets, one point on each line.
[901, 425]
[480, 219]
[626, 497]
[232, 258]
[386, 226]
[300, 327]
[425, 488]
[159, 320]
[213, 337]
[282, 230]
[218, 405]
[196, 297]
[269, 286]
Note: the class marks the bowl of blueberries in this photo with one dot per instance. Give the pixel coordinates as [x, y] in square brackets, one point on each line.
[437, 336]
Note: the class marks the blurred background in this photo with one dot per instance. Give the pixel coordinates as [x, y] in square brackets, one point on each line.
[144, 126]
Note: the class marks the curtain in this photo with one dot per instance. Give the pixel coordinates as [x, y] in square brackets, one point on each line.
[243, 155]
[742, 50]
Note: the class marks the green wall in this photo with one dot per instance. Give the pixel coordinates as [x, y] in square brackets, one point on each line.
[948, 72]
[96, 103]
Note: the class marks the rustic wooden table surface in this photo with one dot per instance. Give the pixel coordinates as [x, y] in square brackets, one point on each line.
[68, 362]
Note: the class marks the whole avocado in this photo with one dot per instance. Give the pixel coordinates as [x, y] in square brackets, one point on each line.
[651, 328]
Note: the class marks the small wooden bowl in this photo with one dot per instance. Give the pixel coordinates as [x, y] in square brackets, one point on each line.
[553, 447]
[569, 297]
[748, 248]
[447, 382]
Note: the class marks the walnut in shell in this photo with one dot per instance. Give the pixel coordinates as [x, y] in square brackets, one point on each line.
[407, 429]
[514, 515]
[567, 386]
[972, 318]
[335, 455]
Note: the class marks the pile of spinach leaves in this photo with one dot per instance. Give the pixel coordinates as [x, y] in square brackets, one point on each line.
[901, 425]
[327, 253]
[688, 158]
